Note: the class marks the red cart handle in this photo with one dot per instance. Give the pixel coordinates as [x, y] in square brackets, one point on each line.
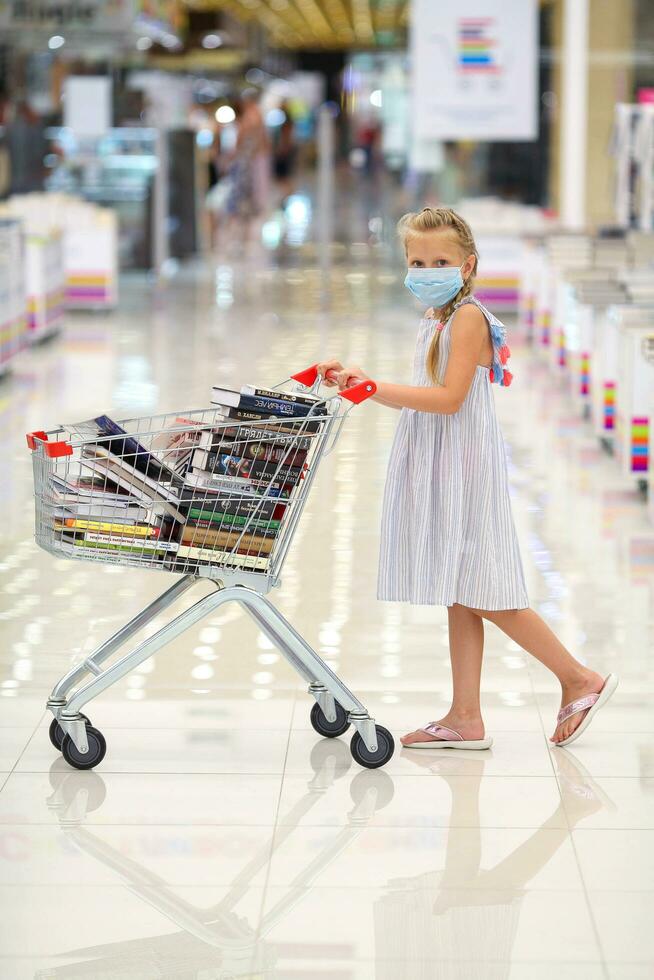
[356, 394]
[359, 393]
[51, 449]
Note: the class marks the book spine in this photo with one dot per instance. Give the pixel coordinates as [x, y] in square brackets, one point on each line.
[276, 406]
[222, 558]
[161, 548]
[224, 464]
[236, 438]
[289, 455]
[122, 539]
[262, 510]
[130, 530]
[221, 515]
[248, 415]
[286, 396]
[265, 528]
[225, 539]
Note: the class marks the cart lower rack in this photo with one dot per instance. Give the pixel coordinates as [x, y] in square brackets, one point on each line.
[215, 495]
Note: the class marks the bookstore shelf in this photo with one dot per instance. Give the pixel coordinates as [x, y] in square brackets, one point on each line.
[213, 494]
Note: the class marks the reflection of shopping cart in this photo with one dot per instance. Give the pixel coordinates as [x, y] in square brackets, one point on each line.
[218, 941]
[211, 497]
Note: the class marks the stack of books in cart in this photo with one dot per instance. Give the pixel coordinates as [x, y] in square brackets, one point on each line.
[214, 488]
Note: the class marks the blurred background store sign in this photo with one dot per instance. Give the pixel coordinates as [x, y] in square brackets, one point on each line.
[157, 19]
[475, 68]
[112, 16]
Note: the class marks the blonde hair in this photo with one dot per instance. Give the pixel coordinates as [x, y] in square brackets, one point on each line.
[436, 219]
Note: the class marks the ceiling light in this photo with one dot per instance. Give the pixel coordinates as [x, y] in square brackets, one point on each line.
[211, 41]
[225, 114]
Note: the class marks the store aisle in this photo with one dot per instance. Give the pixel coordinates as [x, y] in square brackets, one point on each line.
[220, 837]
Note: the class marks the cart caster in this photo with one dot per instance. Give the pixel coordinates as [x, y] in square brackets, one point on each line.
[373, 760]
[329, 729]
[57, 733]
[85, 760]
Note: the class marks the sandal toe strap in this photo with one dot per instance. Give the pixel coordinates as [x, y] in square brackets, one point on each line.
[581, 704]
[439, 731]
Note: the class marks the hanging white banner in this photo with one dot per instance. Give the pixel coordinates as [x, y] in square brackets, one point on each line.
[475, 69]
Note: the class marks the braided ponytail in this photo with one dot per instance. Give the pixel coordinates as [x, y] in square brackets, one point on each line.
[434, 219]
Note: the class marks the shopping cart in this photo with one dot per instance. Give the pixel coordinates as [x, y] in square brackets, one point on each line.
[211, 497]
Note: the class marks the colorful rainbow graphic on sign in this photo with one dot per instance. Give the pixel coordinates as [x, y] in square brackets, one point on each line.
[477, 45]
[640, 444]
[609, 404]
[584, 374]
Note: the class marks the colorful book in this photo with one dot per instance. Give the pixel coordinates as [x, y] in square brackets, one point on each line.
[226, 464]
[210, 486]
[222, 517]
[73, 545]
[307, 424]
[105, 527]
[223, 558]
[114, 440]
[266, 404]
[203, 459]
[227, 438]
[143, 487]
[289, 396]
[245, 543]
[268, 529]
[237, 506]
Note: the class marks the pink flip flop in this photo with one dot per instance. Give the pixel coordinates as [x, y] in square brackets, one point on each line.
[447, 738]
[591, 701]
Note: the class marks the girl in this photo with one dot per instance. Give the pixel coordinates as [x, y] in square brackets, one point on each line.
[448, 536]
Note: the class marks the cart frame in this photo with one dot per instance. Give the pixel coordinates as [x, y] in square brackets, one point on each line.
[72, 733]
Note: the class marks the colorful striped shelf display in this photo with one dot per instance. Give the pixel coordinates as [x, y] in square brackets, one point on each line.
[12, 337]
[560, 343]
[45, 311]
[544, 322]
[584, 374]
[501, 291]
[639, 444]
[529, 305]
[609, 404]
[96, 288]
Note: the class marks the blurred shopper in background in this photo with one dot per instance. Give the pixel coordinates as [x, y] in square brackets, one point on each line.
[26, 145]
[285, 152]
[248, 168]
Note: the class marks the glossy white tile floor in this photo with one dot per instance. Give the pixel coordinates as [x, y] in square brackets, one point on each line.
[220, 837]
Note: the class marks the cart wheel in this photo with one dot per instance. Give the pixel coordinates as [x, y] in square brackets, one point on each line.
[57, 733]
[85, 760]
[329, 729]
[373, 760]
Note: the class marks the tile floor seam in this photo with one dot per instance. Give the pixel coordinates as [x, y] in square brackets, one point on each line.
[271, 851]
[596, 930]
[22, 752]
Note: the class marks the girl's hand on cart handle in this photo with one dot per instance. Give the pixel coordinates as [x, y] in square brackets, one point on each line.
[329, 370]
[348, 377]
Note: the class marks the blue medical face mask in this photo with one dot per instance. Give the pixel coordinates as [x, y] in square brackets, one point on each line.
[435, 287]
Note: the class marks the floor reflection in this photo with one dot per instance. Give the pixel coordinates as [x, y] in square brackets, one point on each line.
[214, 942]
[446, 921]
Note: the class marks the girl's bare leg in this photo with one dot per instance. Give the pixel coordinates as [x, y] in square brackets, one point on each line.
[466, 634]
[526, 627]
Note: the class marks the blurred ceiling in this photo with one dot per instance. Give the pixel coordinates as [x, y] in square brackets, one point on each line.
[326, 24]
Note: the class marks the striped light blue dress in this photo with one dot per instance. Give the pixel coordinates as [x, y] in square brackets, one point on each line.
[447, 532]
